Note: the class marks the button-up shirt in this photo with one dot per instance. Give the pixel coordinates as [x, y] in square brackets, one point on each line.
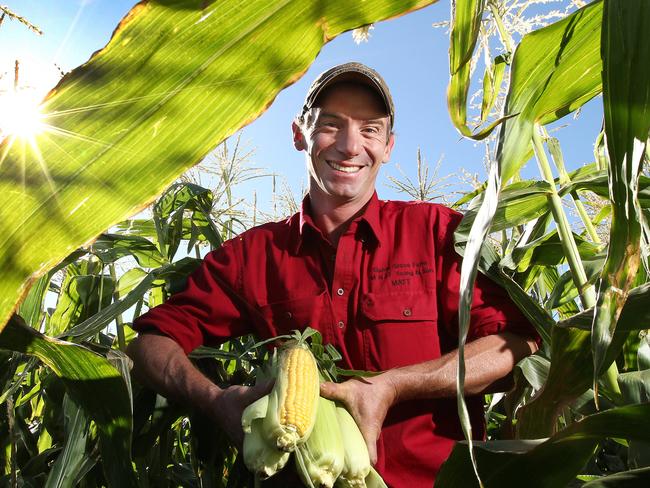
[386, 296]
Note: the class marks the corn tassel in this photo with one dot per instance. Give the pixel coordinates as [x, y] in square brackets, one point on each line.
[320, 460]
[357, 460]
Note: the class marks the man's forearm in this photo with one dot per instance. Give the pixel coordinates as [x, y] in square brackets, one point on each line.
[488, 361]
[161, 364]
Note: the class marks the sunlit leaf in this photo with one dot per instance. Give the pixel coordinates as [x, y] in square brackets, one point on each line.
[176, 79]
[554, 71]
[491, 83]
[518, 203]
[626, 99]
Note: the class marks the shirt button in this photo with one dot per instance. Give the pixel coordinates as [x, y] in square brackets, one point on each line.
[341, 324]
[407, 312]
[289, 315]
[340, 292]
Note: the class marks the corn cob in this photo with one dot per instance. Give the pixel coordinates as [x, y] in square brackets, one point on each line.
[319, 461]
[260, 457]
[357, 460]
[289, 411]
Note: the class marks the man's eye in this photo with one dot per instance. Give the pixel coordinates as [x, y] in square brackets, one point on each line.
[371, 130]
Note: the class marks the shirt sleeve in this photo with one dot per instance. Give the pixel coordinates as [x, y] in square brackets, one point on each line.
[493, 310]
[210, 310]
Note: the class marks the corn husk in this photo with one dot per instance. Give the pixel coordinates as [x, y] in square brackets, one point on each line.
[357, 461]
[319, 461]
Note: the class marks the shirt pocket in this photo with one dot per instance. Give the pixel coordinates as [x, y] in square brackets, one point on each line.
[399, 329]
[282, 317]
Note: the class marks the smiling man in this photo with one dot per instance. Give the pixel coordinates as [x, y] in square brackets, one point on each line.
[378, 279]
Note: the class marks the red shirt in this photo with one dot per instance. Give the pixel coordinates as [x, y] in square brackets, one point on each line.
[386, 297]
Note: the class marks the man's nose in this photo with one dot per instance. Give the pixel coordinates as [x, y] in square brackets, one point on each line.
[348, 141]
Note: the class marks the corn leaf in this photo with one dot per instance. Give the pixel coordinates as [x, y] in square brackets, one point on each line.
[625, 50]
[636, 478]
[94, 384]
[175, 80]
[565, 290]
[501, 462]
[491, 82]
[70, 461]
[555, 70]
[635, 314]
[545, 251]
[111, 247]
[571, 369]
[518, 203]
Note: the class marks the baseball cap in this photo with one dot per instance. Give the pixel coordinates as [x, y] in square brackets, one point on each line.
[351, 72]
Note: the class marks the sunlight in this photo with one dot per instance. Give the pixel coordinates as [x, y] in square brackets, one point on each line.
[20, 115]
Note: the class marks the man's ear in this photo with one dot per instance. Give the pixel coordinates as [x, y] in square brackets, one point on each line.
[389, 148]
[298, 137]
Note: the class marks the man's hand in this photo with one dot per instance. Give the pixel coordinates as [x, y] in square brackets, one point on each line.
[160, 363]
[368, 400]
[227, 408]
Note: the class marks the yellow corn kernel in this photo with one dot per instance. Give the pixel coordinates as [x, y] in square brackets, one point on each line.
[298, 407]
[292, 403]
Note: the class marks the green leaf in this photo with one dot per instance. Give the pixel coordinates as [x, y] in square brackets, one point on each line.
[170, 211]
[535, 370]
[546, 251]
[636, 478]
[554, 71]
[518, 204]
[71, 458]
[565, 289]
[571, 371]
[111, 247]
[635, 314]
[501, 462]
[626, 100]
[176, 79]
[489, 266]
[635, 386]
[491, 82]
[81, 297]
[92, 383]
[643, 354]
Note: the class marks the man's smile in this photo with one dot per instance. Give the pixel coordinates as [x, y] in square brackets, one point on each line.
[345, 169]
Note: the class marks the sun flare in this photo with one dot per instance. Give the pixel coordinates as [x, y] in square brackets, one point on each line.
[20, 115]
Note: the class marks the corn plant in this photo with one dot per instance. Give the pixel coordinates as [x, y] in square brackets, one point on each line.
[597, 291]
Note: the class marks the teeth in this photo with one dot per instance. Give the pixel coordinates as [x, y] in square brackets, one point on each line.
[345, 169]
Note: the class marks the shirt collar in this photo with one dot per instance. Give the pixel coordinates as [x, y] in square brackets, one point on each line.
[302, 222]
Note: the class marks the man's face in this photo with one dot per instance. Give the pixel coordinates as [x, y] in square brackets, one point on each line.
[346, 139]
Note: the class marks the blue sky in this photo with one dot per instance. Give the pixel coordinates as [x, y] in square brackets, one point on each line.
[408, 52]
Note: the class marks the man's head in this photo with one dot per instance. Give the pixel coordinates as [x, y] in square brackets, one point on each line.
[345, 128]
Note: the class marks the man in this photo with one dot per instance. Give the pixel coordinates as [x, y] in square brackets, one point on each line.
[379, 279]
